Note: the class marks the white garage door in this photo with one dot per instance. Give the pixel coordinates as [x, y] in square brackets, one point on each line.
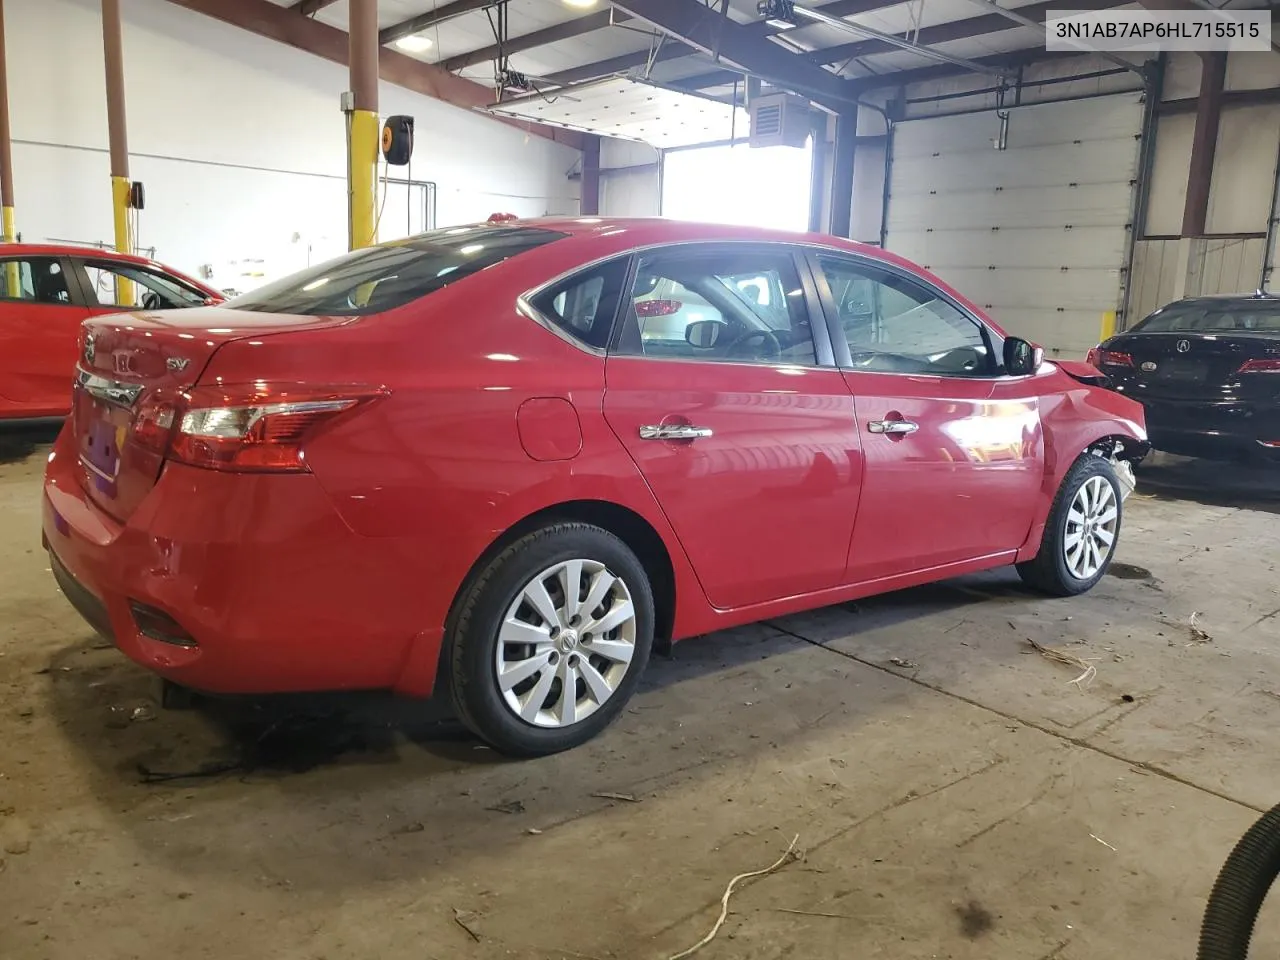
[1035, 233]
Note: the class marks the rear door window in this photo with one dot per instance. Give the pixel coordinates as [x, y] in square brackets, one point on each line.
[390, 275]
[34, 280]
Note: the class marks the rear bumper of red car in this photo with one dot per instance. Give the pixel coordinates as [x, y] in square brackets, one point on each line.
[240, 584]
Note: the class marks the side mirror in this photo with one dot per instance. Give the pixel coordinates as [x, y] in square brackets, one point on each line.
[703, 334]
[1022, 357]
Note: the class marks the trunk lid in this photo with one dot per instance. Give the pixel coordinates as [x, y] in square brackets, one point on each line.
[131, 363]
[1194, 366]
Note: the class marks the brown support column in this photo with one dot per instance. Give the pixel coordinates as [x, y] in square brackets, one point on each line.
[6, 145]
[1204, 143]
[118, 137]
[362, 129]
[589, 206]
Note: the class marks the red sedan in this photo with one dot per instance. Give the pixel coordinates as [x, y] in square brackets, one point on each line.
[499, 461]
[47, 291]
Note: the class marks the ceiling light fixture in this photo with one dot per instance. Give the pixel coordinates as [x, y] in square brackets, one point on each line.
[414, 43]
[579, 4]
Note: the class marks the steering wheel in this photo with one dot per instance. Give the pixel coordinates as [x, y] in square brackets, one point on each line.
[151, 301]
[771, 348]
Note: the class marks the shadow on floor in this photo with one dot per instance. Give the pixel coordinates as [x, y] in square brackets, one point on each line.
[19, 442]
[1211, 482]
[103, 701]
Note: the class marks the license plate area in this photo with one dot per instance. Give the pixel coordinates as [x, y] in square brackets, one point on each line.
[101, 430]
[1178, 370]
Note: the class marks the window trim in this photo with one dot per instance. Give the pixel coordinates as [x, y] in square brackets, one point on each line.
[114, 266]
[525, 305]
[75, 292]
[844, 359]
[824, 357]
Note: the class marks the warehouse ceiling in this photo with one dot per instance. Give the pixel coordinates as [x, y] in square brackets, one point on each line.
[706, 48]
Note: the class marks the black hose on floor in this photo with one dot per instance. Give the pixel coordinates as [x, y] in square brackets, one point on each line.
[1239, 891]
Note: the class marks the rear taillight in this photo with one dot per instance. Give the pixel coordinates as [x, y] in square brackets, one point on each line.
[1260, 366]
[658, 308]
[256, 427]
[1113, 358]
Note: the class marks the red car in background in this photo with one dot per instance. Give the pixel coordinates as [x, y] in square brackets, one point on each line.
[500, 461]
[46, 292]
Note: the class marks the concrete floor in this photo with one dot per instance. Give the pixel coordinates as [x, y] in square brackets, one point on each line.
[955, 795]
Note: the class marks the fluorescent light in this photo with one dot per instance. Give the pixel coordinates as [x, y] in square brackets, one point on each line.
[579, 4]
[416, 43]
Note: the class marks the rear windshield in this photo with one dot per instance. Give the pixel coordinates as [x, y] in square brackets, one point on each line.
[392, 274]
[1239, 316]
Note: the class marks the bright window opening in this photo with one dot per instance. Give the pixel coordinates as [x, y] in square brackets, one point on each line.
[753, 186]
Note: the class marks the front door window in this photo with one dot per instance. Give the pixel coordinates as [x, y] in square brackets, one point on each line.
[731, 307]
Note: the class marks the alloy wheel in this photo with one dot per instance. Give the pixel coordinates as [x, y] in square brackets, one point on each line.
[565, 643]
[1091, 528]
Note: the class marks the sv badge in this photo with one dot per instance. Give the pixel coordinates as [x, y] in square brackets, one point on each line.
[176, 364]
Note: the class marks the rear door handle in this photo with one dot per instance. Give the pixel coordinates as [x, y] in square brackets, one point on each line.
[893, 427]
[673, 431]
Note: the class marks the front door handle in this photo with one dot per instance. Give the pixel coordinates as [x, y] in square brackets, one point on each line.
[893, 427]
[673, 431]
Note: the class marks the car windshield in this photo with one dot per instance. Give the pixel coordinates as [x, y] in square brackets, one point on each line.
[392, 274]
[1239, 316]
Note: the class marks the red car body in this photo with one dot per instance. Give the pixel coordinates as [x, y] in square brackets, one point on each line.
[41, 312]
[335, 562]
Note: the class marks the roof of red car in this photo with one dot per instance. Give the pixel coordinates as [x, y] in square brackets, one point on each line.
[660, 227]
[76, 250]
[652, 230]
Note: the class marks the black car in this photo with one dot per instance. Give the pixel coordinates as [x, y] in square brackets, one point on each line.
[1207, 372]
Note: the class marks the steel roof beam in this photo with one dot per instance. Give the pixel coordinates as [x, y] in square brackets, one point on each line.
[423, 21]
[319, 39]
[708, 30]
[538, 38]
[1017, 16]
[901, 43]
[308, 7]
[673, 49]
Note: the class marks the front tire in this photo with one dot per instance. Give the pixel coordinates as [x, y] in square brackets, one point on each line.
[1081, 534]
[550, 640]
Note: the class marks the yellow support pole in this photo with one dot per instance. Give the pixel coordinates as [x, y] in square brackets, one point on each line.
[363, 147]
[124, 234]
[1108, 328]
[12, 281]
[363, 131]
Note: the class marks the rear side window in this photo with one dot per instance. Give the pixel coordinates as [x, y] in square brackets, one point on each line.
[584, 305]
[392, 274]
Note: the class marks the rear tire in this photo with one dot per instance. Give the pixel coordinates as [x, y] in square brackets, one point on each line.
[1082, 531]
[568, 605]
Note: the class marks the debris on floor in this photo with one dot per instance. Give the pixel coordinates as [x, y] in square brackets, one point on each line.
[463, 919]
[1088, 670]
[508, 806]
[610, 795]
[788, 855]
[1197, 633]
[904, 663]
